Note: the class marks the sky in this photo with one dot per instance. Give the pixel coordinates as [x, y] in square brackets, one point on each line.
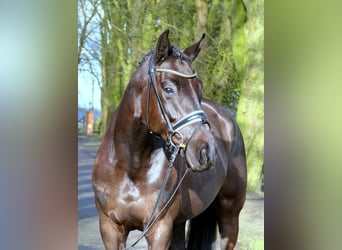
[85, 79]
[85, 91]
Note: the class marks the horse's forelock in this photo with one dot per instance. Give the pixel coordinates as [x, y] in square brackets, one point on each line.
[178, 54]
[173, 52]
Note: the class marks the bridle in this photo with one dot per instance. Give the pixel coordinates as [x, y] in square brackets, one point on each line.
[171, 148]
[197, 116]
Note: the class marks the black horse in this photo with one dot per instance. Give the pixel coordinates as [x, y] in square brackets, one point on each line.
[169, 156]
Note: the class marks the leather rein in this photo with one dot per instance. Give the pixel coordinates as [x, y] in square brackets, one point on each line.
[171, 149]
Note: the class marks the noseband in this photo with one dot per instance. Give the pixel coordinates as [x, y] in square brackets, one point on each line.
[197, 116]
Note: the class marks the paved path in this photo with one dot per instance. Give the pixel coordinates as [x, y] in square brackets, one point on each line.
[251, 220]
[88, 230]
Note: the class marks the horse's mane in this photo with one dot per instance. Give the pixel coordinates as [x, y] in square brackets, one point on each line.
[173, 51]
[145, 58]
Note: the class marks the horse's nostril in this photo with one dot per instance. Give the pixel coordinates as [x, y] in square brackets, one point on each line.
[204, 156]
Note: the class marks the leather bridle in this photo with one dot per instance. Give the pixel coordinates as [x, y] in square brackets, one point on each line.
[197, 116]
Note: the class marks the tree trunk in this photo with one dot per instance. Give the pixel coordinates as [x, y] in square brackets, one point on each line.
[202, 17]
[250, 113]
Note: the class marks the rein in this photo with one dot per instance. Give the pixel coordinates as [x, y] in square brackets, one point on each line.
[197, 116]
[151, 221]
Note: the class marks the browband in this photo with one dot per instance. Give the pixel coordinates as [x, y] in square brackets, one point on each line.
[177, 73]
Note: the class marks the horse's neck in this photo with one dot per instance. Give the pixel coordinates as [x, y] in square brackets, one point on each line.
[132, 141]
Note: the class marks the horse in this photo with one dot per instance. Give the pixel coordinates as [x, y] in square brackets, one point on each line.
[171, 164]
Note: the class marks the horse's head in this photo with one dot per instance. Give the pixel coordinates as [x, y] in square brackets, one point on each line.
[173, 103]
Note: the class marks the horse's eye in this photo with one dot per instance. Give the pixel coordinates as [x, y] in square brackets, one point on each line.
[168, 90]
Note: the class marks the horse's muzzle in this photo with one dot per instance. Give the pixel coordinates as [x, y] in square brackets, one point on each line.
[201, 153]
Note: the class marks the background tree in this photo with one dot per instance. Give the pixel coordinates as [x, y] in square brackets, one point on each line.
[87, 11]
[88, 39]
[250, 114]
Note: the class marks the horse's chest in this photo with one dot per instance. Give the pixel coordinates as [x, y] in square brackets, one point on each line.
[126, 203]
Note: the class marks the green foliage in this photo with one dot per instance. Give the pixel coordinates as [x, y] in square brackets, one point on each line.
[97, 126]
[258, 245]
[251, 104]
[230, 64]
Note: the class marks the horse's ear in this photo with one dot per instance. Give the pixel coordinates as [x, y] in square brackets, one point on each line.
[163, 46]
[194, 49]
